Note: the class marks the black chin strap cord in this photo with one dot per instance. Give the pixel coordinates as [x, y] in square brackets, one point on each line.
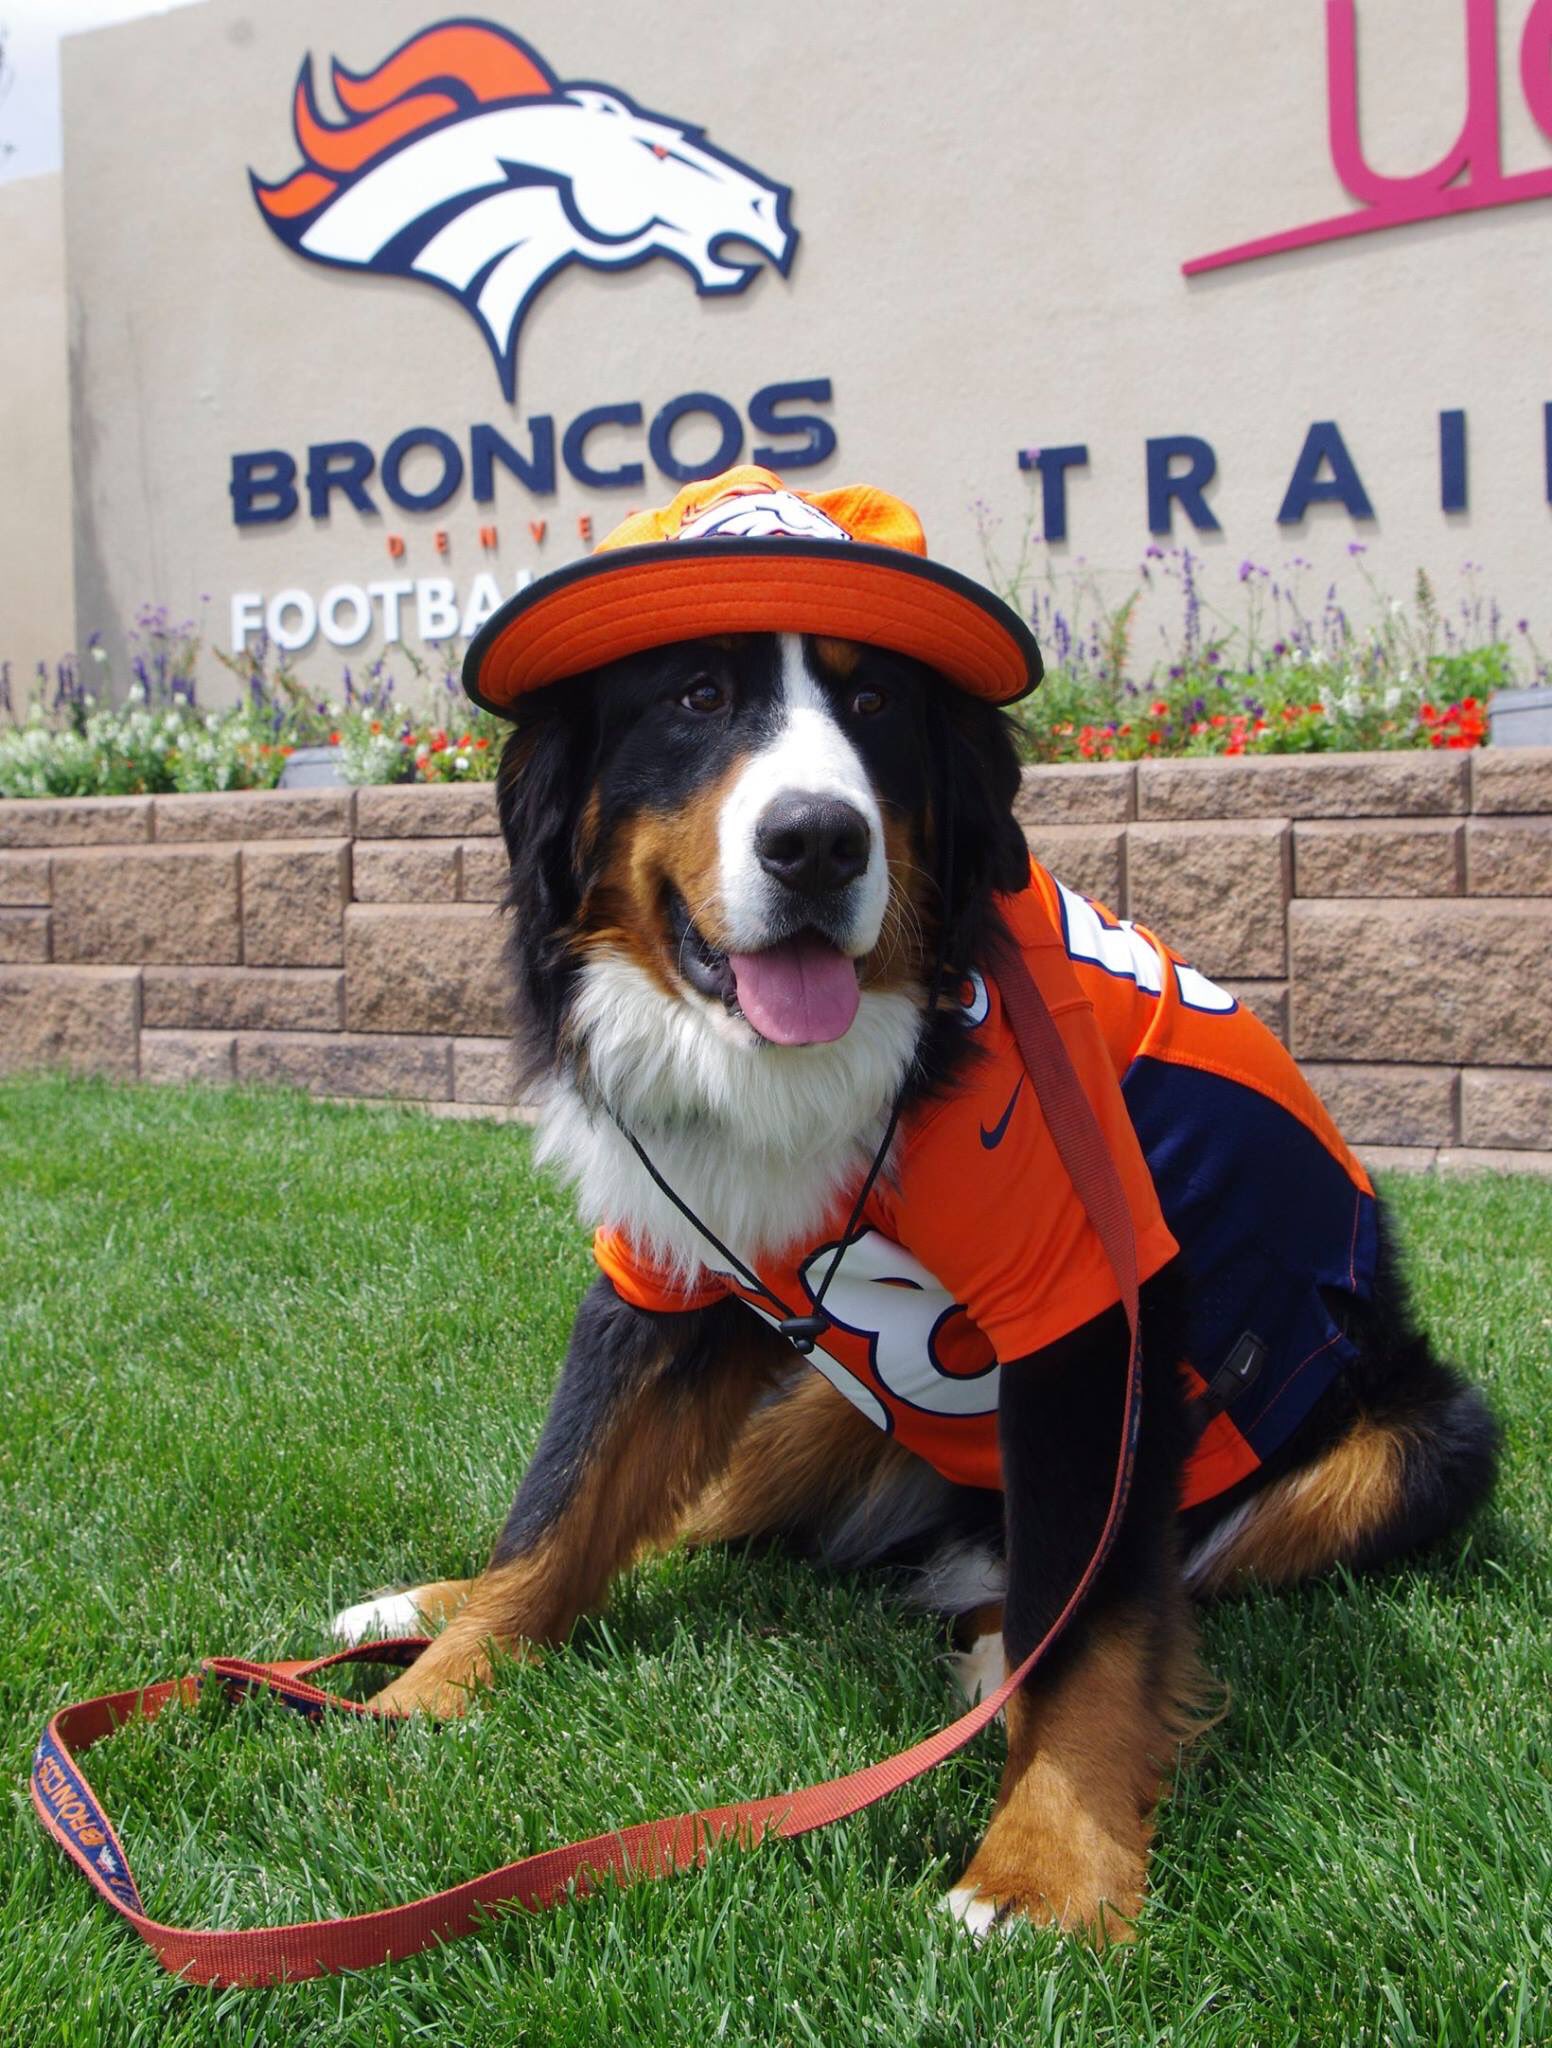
[803, 1332]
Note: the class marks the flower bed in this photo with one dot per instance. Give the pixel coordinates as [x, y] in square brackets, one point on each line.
[1289, 676]
[395, 721]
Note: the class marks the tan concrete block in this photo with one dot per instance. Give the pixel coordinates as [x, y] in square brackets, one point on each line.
[405, 870]
[24, 937]
[188, 1056]
[1511, 779]
[435, 810]
[245, 998]
[484, 1070]
[1379, 857]
[335, 1063]
[256, 814]
[1088, 858]
[1445, 981]
[74, 820]
[1400, 785]
[1507, 1111]
[1383, 1104]
[172, 904]
[1398, 1158]
[24, 878]
[484, 871]
[1509, 856]
[294, 894]
[83, 1018]
[1267, 1000]
[483, 1112]
[1216, 893]
[425, 967]
[1077, 793]
[1467, 1159]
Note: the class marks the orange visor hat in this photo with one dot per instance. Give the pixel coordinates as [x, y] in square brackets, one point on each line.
[743, 553]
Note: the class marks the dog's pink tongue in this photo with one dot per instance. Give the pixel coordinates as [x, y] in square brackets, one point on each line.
[802, 992]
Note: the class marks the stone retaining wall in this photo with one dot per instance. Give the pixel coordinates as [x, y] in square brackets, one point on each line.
[1389, 915]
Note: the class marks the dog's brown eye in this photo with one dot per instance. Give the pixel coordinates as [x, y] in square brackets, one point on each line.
[704, 695]
[867, 702]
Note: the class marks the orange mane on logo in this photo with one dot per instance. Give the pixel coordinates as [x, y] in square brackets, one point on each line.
[444, 70]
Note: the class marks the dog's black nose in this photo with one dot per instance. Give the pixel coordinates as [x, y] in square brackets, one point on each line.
[812, 844]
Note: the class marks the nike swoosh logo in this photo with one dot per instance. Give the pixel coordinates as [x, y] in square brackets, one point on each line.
[991, 1139]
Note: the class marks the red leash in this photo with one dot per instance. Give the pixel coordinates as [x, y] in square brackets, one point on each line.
[71, 1812]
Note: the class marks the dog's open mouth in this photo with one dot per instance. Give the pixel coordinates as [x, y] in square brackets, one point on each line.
[800, 991]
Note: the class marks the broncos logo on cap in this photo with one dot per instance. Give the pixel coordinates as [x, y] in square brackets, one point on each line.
[463, 161]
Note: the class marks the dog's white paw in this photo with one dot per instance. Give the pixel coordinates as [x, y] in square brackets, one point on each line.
[980, 1669]
[977, 1916]
[390, 1614]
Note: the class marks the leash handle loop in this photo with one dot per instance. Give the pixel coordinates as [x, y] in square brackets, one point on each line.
[70, 1811]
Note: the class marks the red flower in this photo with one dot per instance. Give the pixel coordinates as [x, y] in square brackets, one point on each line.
[1155, 739]
[1159, 708]
[333, 739]
[481, 743]
[288, 750]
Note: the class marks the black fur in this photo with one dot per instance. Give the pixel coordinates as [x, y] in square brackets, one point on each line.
[1070, 1398]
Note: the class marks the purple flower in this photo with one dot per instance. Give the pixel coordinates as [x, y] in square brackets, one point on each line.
[1356, 547]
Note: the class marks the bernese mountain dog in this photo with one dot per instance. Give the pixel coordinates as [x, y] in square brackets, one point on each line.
[846, 1296]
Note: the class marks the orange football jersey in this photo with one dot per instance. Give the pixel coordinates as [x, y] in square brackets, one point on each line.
[976, 1252]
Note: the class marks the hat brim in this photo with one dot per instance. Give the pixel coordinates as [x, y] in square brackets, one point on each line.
[625, 600]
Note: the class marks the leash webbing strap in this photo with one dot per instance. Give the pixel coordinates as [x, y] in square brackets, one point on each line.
[70, 1811]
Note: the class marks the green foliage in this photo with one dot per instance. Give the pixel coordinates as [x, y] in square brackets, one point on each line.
[397, 722]
[1287, 672]
[263, 1356]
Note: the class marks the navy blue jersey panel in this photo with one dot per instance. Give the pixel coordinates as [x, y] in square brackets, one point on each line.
[1265, 1219]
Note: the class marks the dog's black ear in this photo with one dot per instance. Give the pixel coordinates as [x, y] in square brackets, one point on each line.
[540, 790]
[978, 778]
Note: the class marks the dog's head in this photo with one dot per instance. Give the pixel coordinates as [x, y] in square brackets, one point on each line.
[734, 862]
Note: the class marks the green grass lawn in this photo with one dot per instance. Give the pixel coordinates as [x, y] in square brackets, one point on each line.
[263, 1356]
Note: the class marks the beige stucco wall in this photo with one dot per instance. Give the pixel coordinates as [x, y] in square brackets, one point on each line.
[36, 598]
[994, 202]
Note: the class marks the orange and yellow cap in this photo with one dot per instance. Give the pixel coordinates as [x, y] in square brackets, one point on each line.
[744, 553]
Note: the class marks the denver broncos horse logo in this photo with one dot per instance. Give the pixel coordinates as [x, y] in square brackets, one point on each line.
[463, 161]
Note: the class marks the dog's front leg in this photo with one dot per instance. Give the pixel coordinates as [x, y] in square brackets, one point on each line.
[645, 1413]
[1092, 1731]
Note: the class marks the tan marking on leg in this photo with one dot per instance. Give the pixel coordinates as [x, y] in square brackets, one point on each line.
[1069, 1841]
[796, 1464]
[654, 1454]
[1316, 1518]
[437, 1603]
[977, 1622]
